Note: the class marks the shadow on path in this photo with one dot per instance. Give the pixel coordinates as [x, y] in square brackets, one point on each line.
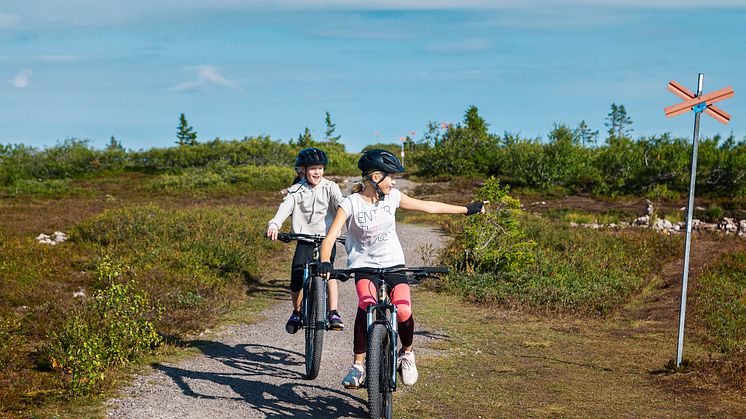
[248, 363]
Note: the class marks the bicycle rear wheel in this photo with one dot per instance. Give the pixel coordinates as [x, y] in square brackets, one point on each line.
[379, 361]
[315, 328]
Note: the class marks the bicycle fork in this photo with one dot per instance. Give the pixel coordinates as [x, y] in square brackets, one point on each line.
[376, 313]
[305, 302]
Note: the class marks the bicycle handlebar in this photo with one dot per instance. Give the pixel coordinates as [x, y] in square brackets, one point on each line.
[423, 271]
[313, 238]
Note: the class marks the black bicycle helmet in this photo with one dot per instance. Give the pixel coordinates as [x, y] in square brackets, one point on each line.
[310, 156]
[382, 160]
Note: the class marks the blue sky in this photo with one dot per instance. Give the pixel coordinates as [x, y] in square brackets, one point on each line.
[382, 69]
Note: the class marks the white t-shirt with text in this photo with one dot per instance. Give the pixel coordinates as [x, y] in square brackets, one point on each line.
[372, 241]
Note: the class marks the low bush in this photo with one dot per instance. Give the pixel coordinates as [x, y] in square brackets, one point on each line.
[575, 270]
[508, 257]
[41, 187]
[494, 241]
[196, 262]
[113, 328]
[718, 297]
[223, 177]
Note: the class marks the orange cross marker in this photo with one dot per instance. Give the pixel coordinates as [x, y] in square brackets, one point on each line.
[699, 103]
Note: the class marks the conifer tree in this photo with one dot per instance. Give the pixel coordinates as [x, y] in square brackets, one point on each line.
[329, 134]
[186, 135]
[306, 139]
[114, 145]
[618, 122]
[583, 135]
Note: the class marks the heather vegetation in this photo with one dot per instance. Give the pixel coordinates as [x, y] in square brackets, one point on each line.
[148, 264]
[73, 316]
[515, 259]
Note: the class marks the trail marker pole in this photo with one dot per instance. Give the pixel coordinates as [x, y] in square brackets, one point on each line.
[403, 140]
[697, 103]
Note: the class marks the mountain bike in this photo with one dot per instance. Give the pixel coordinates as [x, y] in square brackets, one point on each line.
[313, 302]
[381, 354]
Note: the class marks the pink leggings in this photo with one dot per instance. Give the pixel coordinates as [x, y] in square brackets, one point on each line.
[366, 294]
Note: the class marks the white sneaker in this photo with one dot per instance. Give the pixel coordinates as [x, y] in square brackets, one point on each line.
[408, 368]
[354, 378]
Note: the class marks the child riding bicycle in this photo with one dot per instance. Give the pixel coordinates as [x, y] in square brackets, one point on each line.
[372, 242]
[312, 203]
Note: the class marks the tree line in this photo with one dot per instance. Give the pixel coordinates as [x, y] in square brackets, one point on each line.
[570, 160]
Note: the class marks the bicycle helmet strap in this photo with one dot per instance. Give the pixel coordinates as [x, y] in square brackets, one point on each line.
[375, 185]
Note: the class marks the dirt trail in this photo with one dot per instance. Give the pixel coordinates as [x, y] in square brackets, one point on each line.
[257, 370]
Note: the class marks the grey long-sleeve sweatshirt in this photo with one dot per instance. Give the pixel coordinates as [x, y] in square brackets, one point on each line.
[312, 209]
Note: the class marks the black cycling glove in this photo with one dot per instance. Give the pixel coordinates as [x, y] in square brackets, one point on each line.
[474, 208]
[325, 268]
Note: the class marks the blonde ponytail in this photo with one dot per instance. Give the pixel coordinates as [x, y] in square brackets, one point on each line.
[358, 187]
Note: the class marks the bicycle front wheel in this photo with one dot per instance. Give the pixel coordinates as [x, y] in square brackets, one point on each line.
[379, 361]
[315, 327]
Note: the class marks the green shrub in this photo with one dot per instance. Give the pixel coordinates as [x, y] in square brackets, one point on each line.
[195, 262]
[258, 151]
[113, 328]
[713, 213]
[493, 241]
[573, 269]
[241, 178]
[41, 187]
[719, 301]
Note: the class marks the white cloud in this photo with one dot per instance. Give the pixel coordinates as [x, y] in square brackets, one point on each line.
[206, 76]
[21, 79]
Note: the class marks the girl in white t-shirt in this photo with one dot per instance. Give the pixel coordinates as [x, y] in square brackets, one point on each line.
[372, 242]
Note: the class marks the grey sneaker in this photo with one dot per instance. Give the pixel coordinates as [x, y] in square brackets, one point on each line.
[356, 376]
[407, 367]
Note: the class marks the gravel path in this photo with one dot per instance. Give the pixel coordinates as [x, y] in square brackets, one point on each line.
[256, 371]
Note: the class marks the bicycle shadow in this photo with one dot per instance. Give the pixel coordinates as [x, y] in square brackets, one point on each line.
[250, 362]
[254, 359]
[433, 335]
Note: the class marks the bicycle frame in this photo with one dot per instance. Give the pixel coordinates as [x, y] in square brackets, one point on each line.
[377, 313]
[313, 303]
[309, 271]
[383, 313]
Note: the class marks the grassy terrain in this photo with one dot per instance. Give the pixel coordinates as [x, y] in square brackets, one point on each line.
[491, 362]
[570, 334]
[179, 262]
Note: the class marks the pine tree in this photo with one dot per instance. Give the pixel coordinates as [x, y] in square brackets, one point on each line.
[618, 122]
[475, 123]
[185, 135]
[329, 134]
[306, 139]
[583, 134]
[114, 145]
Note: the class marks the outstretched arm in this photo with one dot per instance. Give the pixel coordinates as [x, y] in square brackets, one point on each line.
[435, 207]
